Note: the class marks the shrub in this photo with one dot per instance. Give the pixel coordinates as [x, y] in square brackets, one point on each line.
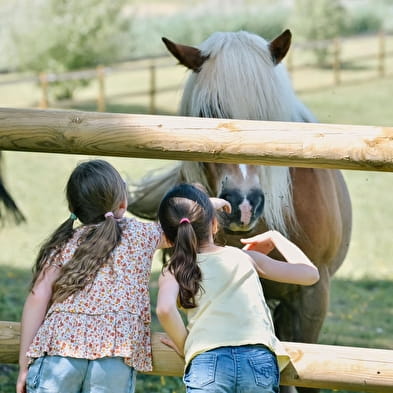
[64, 35]
[319, 20]
[363, 19]
[194, 26]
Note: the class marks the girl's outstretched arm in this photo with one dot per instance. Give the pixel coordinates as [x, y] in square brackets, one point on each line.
[168, 314]
[298, 269]
[34, 311]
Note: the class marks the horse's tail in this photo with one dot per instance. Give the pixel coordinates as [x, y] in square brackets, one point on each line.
[8, 205]
[146, 195]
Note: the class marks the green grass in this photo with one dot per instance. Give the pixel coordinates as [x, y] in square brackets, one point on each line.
[346, 324]
[43, 199]
[361, 307]
[371, 248]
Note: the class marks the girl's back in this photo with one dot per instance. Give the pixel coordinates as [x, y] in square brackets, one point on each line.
[231, 308]
[102, 318]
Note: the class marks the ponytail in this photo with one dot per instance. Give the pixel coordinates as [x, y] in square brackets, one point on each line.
[183, 264]
[94, 187]
[52, 247]
[185, 214]
[95, 250]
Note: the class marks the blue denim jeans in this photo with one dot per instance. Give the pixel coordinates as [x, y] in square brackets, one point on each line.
[243, 369]
[58, 374]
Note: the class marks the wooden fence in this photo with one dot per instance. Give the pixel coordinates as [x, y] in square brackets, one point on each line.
[312, 365]
[198, 139]
[227, 141]
[335, 61]
[152, 65]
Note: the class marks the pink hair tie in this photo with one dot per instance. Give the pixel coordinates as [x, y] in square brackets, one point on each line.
[184, 219]
[109, 214]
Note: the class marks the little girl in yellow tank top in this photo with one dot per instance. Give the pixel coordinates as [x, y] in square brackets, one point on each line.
[229, 340]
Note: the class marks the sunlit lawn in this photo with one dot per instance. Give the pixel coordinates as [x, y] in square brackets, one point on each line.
[362, 287]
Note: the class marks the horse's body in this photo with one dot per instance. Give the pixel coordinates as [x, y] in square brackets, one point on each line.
[239, 75]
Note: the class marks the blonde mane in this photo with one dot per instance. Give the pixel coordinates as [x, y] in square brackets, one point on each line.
[240, 81]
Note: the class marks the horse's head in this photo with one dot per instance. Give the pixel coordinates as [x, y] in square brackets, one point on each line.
[194, 58]
[236, 75]
[260, 196]
[240, 76]
[240, 186]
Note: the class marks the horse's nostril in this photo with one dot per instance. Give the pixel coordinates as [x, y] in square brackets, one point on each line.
[257, 200]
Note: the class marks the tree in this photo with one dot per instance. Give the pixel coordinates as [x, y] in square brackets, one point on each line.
[64, 35]
[319, 20]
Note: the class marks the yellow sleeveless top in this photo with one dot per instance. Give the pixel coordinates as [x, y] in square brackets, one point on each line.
[231, 309]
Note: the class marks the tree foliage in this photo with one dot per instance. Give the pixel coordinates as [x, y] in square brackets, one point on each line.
[63, 35]
[319, 20]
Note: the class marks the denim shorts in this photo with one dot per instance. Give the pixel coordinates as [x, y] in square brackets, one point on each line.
[242, 369]
[58, 374]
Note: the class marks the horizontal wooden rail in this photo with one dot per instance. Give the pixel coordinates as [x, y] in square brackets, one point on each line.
[312, 365]
[197, 139]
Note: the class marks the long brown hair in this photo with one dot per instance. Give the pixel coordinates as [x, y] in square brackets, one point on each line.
[93, 189]
[187, 202]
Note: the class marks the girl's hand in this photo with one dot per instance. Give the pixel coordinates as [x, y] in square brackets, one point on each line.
[295, 268]
[219, 203]
[21, 381]
[262, 243]
[168, 342]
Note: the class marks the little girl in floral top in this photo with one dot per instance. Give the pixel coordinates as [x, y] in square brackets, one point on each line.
[86, 321]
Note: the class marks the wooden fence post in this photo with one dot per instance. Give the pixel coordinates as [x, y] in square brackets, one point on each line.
[336, 61]
[381, 55]
[44, 102]
[153, 88]
[101, 106]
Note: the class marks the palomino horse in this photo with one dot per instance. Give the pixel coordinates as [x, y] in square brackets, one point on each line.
[240, 76]
[7, 204]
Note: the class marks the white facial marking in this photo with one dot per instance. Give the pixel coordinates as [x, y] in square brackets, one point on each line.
[243, 169]
[245, 212]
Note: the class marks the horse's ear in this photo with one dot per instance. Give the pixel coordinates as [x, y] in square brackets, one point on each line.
[187, 55]
[280, 45]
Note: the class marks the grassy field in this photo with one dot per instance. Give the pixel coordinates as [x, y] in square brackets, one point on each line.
[361, 310]
[364, 103]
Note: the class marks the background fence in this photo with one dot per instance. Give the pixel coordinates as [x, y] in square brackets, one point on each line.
[319, 145]
[347, 60]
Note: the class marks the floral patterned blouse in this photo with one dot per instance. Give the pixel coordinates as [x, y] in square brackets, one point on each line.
[110, 317]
